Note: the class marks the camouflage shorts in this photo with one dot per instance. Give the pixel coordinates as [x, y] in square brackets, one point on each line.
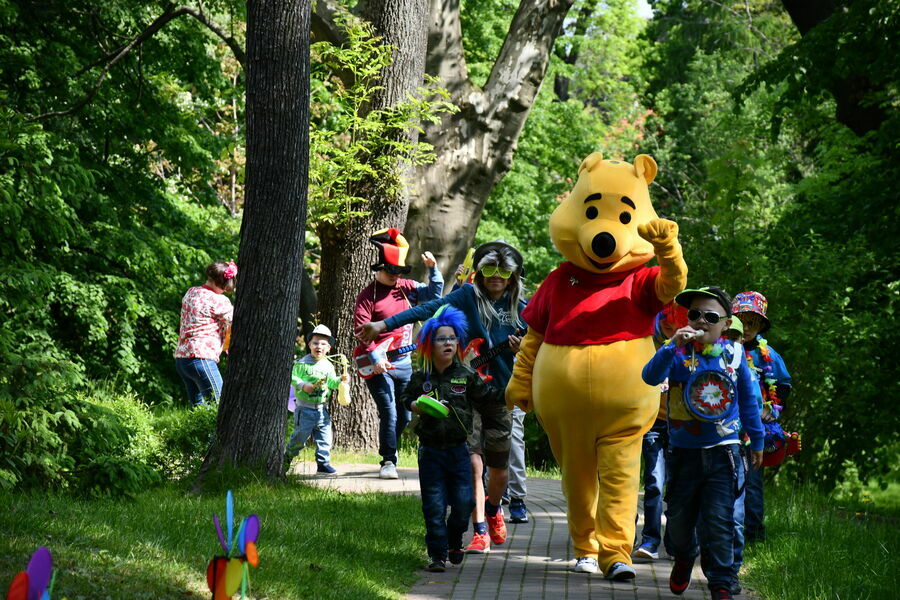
[490, 436]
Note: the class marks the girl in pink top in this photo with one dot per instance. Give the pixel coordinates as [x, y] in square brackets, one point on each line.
[205, 321]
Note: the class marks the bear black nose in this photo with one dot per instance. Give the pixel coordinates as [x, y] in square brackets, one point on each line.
[603, 244]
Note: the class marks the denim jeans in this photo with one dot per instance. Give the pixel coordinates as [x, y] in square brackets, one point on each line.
[516, 486]
[311, 420]
[201, 379]
[653, 449]
[700, 494]
[393, 417]
[739, 518]
[754, 511]
[445, 479]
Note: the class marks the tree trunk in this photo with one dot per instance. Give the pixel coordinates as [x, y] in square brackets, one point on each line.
[475, 146]
[251, 421]
[346, 255]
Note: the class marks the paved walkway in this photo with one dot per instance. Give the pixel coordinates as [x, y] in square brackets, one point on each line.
[536, 560]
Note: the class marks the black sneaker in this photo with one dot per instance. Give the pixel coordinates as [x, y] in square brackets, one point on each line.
[436, 566]
[326, 468]
[735, 588]
[722, 594]
[456, 556]
[680, 577]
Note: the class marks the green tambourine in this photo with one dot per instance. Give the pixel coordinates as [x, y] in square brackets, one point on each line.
[431, 407]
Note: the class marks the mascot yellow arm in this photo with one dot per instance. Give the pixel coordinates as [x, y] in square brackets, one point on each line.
[518, 390]
[663, 235]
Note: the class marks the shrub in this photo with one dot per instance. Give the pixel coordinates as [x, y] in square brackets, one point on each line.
[185, 436]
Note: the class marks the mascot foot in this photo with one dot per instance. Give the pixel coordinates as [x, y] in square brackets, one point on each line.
[620, 572]
[586, 564]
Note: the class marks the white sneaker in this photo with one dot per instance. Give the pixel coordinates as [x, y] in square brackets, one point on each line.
[646, 552]
[586, 564]
[389, 471]
[620, 572]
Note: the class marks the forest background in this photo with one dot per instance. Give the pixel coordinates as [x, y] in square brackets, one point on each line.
[776, 139]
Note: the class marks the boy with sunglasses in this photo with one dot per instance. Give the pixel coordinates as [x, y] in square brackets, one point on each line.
[712, 395]
[775, 386]
[388, 295]
[445, 471]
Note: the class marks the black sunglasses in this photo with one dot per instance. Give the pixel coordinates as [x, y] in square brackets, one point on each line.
[709, 316]
[395, 270]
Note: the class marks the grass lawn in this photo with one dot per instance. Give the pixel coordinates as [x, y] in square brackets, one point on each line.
[818, 550]
[313, 543]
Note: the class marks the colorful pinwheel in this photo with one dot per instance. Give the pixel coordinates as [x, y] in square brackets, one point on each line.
[36, 582]
[229, 571]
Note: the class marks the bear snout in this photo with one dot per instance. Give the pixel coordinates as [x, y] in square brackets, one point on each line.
[603, 245]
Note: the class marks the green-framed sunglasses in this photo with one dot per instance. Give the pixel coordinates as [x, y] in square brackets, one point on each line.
[495, 271]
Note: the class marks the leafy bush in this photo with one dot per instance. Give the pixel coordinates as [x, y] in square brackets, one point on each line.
[185, 436]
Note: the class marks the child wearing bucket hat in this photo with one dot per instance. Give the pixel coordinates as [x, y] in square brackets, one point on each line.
[313, 379]
[388, 295]
[711, 395]
[446, 394]
[775, 386]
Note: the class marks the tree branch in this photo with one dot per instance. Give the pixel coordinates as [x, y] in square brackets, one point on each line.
[118, 54]
[445, 58]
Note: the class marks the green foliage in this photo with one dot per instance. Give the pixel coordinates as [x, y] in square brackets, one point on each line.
[185, 436]
[351, 143]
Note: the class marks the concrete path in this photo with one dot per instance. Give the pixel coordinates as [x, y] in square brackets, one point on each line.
[536, 560]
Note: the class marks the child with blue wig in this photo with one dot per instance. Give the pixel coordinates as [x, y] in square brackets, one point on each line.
[454, 392]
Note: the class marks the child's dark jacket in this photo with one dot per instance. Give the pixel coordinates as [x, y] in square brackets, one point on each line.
[464, 392]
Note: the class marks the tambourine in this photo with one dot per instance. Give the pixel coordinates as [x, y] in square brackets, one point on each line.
[431, 407]
[708, 395]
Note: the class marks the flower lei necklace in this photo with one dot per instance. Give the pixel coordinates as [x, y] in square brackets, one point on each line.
[711, 350]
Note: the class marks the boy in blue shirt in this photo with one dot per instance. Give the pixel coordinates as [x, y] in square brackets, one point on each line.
[711, 395]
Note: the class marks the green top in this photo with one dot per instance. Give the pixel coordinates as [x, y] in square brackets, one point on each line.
[308, 370]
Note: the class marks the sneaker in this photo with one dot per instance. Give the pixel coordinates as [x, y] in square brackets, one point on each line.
[646, 551]
[480, 544]
[680, 577]
[517, 512]
[735, 588]
[436, 566]
[620, 572]
[496, 527]
[456, 556]
[326, 468]
[388, 471]
[586, 564]
[504, 499]
[722, 594]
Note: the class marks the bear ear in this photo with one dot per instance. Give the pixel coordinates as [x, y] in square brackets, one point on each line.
[645, 166]
[590, 162]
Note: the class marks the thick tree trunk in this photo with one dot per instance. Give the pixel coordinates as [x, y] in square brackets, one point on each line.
[475, 146]
[250, 428]
[345, 254]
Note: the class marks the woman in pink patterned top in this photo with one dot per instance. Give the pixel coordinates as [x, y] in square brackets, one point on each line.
[205, 321]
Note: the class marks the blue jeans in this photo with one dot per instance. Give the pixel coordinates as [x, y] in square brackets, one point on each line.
[754, 510]
[201, 379]
[445, 479]
[739, 518]
[315, 421]
[393, 417]
[700, 494]
[654, 451]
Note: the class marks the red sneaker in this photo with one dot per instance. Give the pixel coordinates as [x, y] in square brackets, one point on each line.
[480, 544]
[497, 527]
[680, 578]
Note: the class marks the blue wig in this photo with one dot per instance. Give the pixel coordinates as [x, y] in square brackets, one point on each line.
[446, 316]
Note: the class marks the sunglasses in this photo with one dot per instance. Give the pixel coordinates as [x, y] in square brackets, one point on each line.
[450, 339]
[709, 316]
[395, 270]
[494, 270]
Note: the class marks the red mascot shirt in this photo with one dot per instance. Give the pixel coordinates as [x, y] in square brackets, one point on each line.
[577, 307]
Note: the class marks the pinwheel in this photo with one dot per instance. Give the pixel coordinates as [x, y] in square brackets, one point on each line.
[229, 571]
[36, 582]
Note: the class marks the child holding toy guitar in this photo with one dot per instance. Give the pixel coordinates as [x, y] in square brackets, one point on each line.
[492, 306]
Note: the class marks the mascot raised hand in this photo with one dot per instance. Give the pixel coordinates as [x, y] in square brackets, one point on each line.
[579, 366]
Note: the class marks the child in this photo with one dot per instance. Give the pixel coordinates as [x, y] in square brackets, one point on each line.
[711, 395]
[775, 386]
[445, 471]
[313, 378]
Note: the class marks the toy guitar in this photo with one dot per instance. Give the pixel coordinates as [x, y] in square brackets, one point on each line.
[366, 361]
[474, 359]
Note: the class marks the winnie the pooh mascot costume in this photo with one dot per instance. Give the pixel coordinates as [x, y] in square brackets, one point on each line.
[579, 366]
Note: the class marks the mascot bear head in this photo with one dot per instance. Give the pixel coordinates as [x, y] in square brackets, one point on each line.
[596, 227]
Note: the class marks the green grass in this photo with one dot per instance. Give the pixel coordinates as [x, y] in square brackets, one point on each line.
[817, 550]
[313, 543]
